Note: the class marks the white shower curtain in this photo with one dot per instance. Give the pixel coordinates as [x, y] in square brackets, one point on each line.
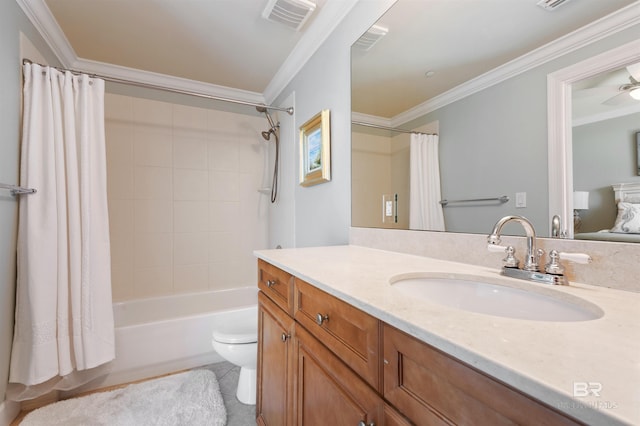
[64, 318]
[425, 210]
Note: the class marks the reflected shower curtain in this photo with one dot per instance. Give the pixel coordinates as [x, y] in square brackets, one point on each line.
[64, 317]
[425, 210]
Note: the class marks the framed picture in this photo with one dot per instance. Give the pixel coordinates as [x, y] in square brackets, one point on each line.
[315, 150]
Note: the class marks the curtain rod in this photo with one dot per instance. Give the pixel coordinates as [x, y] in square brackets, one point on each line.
[288, 110]
[393, 129]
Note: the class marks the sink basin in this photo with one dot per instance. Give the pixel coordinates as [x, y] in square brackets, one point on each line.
[473, 295]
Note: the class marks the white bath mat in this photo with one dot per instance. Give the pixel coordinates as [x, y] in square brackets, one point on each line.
[192, 398]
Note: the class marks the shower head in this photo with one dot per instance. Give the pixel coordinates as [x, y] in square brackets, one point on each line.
[267, 134]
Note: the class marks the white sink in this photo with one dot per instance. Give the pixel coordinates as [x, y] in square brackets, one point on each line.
[470, 294]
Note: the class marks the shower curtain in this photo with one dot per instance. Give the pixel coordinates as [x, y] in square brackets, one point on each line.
[64, 317]
[425, 210]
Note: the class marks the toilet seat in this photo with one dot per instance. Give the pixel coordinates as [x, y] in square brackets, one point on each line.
[236, 333]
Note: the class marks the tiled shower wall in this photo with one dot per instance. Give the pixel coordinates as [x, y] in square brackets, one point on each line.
[184, 208]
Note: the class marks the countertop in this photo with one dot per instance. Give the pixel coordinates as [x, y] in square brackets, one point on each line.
[550, 361]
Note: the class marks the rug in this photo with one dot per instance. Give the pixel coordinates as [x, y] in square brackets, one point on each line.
[192, 398]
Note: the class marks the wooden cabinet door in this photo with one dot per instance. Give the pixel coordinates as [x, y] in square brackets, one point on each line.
[432, 388]
[275, 401]
[328, 392]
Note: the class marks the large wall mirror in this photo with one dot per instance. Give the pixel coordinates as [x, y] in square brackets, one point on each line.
[475, 73]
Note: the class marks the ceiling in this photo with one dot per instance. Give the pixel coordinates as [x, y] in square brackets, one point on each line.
[222, 42]
[227, 44]
[458, 40]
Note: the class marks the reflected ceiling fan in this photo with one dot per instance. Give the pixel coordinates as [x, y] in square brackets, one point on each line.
[628, 91]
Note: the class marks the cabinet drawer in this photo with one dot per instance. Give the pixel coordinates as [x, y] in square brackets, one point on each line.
[430, 387]
[276, 284]
[353, 335]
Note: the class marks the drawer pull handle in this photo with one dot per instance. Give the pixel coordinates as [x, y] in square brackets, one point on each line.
[320, 319]
[271, 283]
[285, 337]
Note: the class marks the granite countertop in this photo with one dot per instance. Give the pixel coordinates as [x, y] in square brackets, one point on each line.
[546, 360]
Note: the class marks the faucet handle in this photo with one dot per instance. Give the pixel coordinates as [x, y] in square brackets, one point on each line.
[495, 248]
[510, 261]
[554, 267]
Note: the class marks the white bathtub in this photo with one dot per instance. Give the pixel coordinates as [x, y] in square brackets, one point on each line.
[162, 335]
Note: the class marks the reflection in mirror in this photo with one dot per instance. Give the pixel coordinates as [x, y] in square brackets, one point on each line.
[606, 120]
[425, 76]
[594, 145]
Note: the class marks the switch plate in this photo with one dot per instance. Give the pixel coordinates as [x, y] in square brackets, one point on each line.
[521, 200]
[390, 208]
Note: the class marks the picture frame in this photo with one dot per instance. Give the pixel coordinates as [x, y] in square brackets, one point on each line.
[315, 149]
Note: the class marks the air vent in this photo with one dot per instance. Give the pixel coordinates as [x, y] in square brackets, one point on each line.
[371, 37]
[291, 13]
[551, 4]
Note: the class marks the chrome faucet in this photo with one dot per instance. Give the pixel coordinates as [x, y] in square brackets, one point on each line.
[553, 271]
[531, 260]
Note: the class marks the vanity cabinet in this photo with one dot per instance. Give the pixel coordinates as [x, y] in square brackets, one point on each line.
[322, 361]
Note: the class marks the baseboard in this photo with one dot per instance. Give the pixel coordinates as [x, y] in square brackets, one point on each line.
[9, 410]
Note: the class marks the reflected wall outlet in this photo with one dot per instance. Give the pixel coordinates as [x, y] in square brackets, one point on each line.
[521, 200]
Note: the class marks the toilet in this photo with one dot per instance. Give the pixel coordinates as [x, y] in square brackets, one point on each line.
[235, 338]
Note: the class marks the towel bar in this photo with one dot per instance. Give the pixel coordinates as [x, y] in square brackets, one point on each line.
[17, 190]
[502, 199]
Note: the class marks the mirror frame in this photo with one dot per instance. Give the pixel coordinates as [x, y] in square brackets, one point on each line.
[560, 130]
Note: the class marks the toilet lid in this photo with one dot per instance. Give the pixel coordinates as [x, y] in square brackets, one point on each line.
[236, 333]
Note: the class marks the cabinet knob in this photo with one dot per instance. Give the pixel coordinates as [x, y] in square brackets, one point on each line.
[285, 337]
[320, 319]
[362, 423]
[271, 283]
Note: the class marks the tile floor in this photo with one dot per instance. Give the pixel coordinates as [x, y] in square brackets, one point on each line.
[238, 414]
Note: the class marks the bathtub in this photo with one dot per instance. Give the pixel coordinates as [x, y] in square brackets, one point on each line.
[162, 335]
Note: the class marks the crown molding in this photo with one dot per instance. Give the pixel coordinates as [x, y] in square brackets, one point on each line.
[333, 12]
[41, 17]
[139, 77]
[371, 119]
[597, 30]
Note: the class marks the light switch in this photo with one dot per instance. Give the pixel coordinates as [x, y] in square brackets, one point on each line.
[521, 200]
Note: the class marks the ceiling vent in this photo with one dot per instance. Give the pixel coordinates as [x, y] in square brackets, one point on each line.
[371, 37]
[551, 4]
[291, 13]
